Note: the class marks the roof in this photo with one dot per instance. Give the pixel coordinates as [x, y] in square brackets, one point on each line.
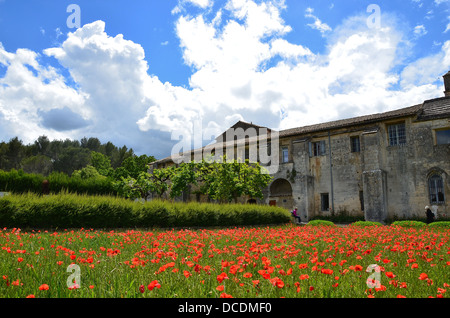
[361, 120]
[435, 109]
[428, 110]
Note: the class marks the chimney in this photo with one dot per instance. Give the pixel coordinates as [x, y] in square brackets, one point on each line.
[447, 84]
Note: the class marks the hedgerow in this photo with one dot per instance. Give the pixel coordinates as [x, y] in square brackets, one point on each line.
[66, 210]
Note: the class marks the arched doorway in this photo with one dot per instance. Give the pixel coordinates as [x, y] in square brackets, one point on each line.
[281, 194]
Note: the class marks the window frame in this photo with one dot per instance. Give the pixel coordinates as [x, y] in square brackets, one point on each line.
[352, 144]
[395, 138]
[324, 204]
[436, 189]
[284, 154]
[436, 131]
[317, 148]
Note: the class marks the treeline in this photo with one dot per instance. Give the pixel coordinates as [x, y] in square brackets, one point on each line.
[85, 166]
[66, 156]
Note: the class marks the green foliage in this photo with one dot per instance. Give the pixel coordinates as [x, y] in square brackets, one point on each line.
[133, 166]
[440, 224]
[366, 223]
[87, 172]
[45, 156]
[408, 223]
[20, 182]
[320, 223]
[101, 163]
[66, 210]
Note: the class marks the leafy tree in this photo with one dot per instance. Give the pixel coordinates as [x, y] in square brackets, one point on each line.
[145, 183]
[133, 166]
[221, 181]
[39, 164]
[102, 163]
[230, 180]
[87, 172]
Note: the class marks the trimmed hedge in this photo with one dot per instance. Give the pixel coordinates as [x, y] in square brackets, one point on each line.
[320, 223]
[414, 224]
[440, 224]
[17, 181]
[366, 223]
[66, 210]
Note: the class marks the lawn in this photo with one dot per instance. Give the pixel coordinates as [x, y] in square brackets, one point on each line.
[269, 262]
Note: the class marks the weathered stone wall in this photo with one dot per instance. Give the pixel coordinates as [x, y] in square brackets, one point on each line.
[391, 180]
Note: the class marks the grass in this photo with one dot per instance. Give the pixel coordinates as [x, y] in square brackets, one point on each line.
[281, 261]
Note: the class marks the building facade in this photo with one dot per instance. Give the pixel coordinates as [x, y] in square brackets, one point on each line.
[384, 165]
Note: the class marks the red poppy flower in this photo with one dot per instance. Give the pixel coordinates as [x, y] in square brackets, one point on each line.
[153, 284]
[304, 276]
[221, 277]
[220, 288]
[44, 287]
[390, 274]
[423, 276]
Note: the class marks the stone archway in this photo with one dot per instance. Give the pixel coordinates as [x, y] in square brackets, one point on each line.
[281, 194]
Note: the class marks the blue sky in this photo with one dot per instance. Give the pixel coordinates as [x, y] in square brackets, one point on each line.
[143, 73]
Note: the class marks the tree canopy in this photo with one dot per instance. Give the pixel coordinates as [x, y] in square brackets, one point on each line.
[220, 181]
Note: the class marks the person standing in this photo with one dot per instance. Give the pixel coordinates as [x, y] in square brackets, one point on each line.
[430, 214]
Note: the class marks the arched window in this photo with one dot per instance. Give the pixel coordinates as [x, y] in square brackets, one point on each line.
[436, 189]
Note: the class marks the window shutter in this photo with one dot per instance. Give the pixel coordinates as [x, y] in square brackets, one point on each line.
[322, 147]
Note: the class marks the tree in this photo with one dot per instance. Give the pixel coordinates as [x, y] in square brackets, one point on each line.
[133, 166]
[88, 172]
[231, 180]
[102, 163]
[42, 146]
[222, 181]
[145, 183]
[39, 164]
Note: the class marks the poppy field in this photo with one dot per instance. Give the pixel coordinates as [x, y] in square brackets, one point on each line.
[248, 262]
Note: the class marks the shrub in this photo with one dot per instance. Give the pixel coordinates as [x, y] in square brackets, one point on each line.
[17, 181]
[415, 224]
[366, 223]
[320, 223]
[66, 210]
[440, 224]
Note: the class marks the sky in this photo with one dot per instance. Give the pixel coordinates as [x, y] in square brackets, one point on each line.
[150, 73]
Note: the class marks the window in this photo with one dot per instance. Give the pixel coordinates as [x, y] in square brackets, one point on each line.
[317, 148]
[436, 189]
[443, 137]
[324, 202]
[284, 154]
[397, 134]
[354, 142]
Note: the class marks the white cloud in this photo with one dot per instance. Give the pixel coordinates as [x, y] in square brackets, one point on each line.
[447, 28]
[420, 30]
[242, 69]
[29, 88]
[317, 25]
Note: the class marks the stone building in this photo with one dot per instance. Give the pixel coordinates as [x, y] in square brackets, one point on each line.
[382, 165]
